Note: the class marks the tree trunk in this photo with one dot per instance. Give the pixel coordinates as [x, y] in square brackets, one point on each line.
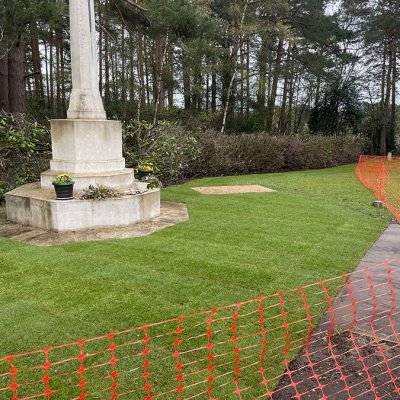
[231, 67]
[262, 65]
[161, 46]
[282, 118]
[317, 91]
[16, 81]
[4, 101]
[200, 89]
[59, 42]
[208, 91]
[383, 76]
[51, 66]
[141, 67]
[62, 75]
[106, 65]
[272, 98]
[248, 76]
[132, 84]
[197, 89]
[386, 110]
[170, 76]
[213, 92]
[114, 76]
[46, 63]
[241, 80]
[186, 81]
[36, 61]
[146, 69]
[392, 134]
[289, 125]
[122, 72]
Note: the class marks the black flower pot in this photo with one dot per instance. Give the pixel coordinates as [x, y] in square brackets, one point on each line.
[144, 174]
[64, 191]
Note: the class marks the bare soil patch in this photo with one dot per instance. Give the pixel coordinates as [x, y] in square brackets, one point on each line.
[345, 366]
[233, 189]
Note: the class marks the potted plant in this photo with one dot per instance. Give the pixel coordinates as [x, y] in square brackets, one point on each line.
[64, 187]
[145, 170]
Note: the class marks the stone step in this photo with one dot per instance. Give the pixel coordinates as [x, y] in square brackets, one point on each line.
[121, 179]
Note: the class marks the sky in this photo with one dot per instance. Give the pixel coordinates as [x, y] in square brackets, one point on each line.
[332, 6]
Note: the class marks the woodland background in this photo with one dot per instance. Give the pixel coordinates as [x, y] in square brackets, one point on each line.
[187, 76]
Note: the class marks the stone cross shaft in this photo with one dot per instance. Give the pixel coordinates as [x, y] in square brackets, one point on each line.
[85, 102]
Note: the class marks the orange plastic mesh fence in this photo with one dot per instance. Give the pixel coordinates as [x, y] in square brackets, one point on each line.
[242, 351]
[382, 175]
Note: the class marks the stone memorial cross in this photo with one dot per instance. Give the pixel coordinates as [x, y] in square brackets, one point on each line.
[85, 102]
[87, 146]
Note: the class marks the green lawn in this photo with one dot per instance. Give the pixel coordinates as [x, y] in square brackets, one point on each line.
[319, 224]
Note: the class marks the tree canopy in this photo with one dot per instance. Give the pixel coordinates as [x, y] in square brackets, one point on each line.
[283, 66]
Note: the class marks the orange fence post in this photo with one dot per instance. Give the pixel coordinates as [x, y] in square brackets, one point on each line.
[382, 175]
[382, 179]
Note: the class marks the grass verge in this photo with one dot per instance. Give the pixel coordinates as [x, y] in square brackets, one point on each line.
[317, 225]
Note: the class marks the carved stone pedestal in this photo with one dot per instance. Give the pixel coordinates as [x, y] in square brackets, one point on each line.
[31, 205]
[91, 151]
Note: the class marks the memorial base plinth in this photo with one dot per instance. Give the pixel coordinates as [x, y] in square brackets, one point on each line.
[31, 205]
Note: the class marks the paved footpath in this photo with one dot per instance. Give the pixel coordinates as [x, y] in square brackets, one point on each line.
[386, 248]
[373, 291]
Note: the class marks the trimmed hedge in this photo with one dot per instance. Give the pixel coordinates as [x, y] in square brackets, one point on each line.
[261, 153]
[178, 152]
[181, 153]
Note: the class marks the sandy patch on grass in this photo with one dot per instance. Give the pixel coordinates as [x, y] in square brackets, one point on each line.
[233, 189]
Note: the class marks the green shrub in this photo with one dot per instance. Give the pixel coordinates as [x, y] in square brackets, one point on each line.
[178, 152]
[168, 146]
[261, 153]
[238, 154]
[6, 187]
[320, 151]
[24, 148]
[251, 123]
